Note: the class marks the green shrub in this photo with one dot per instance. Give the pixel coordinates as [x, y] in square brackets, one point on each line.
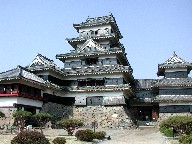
[168, 132]
[186, 139]
[162, 129]
[59, 140]
[182, 124]
[99, 135]
[69, 125]
[41, 119]
[89, 135]
[182, 138]
[21, 117]
[84, 135]
[30, 137]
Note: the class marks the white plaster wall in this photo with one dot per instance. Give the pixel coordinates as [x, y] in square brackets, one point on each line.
[9, 101]
[30, 102]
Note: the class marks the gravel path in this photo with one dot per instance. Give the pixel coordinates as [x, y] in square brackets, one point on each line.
[142, 136]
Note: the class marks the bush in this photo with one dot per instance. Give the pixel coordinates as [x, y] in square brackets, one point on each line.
[21, 117]
[99, 135]
[168, 132]
[84, 135]
[59, 140]
[186, 139]
[182, 124]
[30, 137]
[89, 135]
[162, 129]
[69, 125]
[41, 119]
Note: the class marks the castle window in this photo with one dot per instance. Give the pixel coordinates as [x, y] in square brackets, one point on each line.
[96, 32]
[91, 61]
[92, 32]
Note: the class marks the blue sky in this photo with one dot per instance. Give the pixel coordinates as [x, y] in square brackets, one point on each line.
[152, 29]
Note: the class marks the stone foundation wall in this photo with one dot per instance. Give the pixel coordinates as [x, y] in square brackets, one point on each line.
[8, 111]
[115, 117]
[8, 119]
[57, 111]
[163, 116]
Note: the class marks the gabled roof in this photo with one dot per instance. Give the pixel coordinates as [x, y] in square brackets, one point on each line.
[109, 19]
[41, 62]
[173, 62]
[90, 47]
[174, 82]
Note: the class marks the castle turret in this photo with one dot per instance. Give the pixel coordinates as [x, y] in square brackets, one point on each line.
[174, 67]
[175, 89]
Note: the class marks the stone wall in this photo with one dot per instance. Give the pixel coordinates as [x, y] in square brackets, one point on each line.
[115, 117]
[8, 119]
[8, 111]
[57, 111]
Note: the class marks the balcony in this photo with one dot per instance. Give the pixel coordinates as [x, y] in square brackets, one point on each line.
[9, 93]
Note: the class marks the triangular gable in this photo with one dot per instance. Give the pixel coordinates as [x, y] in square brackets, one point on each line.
[40, 60]
[90, 46]
[174, 59]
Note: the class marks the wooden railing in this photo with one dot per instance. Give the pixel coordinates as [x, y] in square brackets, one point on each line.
[21, 94]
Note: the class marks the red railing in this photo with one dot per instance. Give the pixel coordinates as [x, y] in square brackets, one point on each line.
[22, 94]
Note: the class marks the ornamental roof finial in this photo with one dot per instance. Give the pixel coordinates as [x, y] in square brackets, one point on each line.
[174, 54]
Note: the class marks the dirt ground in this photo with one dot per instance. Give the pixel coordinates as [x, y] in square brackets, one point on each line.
[139, 136]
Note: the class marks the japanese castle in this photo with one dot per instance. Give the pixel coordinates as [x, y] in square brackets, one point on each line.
[97, 82]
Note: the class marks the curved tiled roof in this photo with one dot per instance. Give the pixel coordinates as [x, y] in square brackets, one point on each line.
[173, 98]
[97, 70]
[91, 47]
[86, 52]
[22, 73]
[173, 62]
[174, 82]
[98, 88]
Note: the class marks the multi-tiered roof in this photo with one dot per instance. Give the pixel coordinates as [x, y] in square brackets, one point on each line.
[90, 47]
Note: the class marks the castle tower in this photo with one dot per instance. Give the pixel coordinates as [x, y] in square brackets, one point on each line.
[175, 89]
[98, 74]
